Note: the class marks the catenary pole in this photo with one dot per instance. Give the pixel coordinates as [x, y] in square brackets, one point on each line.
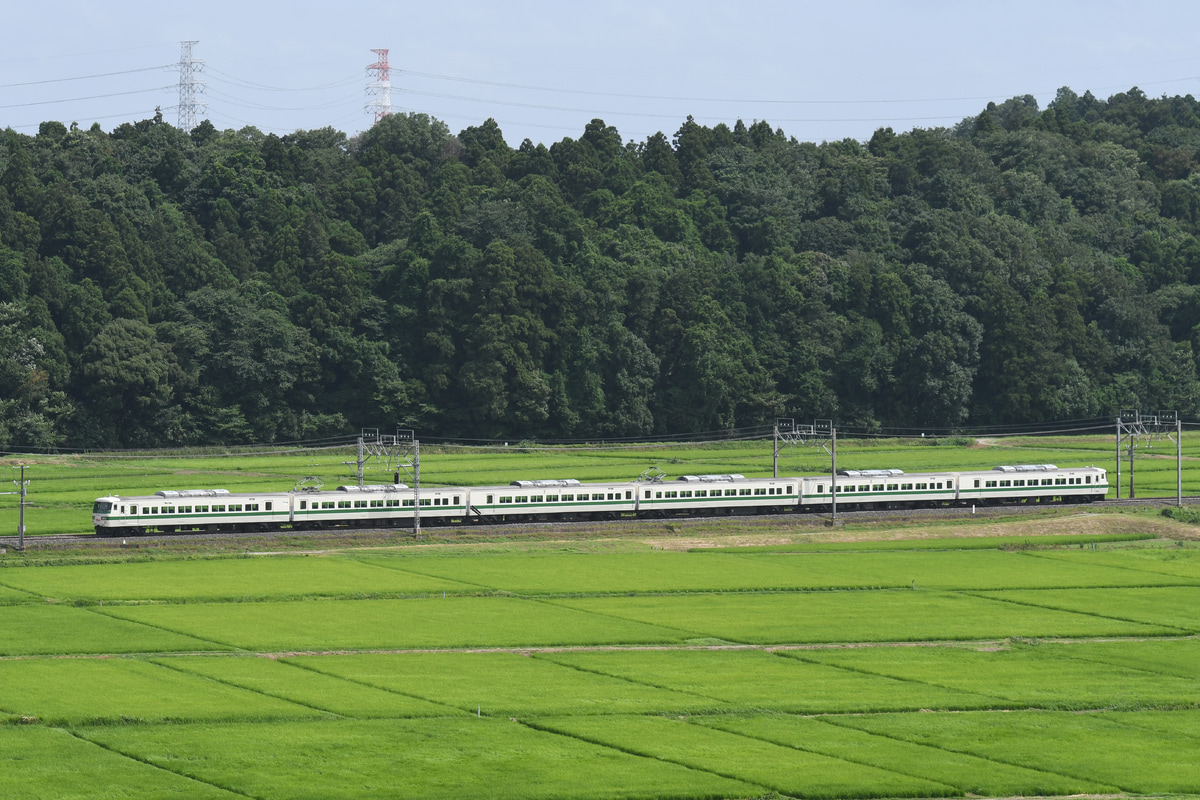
[833, 479]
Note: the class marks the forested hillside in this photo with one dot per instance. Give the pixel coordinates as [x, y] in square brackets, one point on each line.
[161, 287]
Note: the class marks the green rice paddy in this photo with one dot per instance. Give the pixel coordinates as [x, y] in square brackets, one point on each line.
[1055, 659]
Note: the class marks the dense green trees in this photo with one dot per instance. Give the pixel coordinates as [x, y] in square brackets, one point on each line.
[159, 286]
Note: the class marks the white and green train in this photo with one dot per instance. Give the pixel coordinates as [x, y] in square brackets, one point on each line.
[395, 505]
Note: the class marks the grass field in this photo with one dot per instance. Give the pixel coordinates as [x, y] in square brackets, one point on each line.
[991, 658]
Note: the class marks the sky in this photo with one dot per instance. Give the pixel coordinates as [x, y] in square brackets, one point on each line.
[543, 69]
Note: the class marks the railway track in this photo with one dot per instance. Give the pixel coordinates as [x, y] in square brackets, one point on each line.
[623, 526]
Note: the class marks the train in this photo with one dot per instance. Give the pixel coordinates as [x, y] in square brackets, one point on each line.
[398, 505]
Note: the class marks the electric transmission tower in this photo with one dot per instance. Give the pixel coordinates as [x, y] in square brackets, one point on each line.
[189, 87]
[380, 89]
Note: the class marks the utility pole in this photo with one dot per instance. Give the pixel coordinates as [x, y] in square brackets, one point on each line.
[416, 488]
[24, 486]
[833, 480]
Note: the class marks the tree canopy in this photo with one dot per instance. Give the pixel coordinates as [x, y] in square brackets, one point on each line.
[160, 286]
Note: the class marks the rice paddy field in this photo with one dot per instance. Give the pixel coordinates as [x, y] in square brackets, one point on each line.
[1054, 654]
[911, 660]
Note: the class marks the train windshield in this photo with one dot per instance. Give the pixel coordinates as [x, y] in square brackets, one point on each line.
[101, 507]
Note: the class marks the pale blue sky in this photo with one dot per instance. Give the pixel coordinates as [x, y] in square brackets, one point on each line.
[544, 69]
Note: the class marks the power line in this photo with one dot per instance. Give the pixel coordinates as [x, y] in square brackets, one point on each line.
[90, 97]
[87, 77]
[352, 80]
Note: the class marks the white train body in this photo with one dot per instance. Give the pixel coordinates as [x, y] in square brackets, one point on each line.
[393, 505]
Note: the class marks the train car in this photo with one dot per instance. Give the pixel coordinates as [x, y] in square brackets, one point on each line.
[879, 488]
[379, 505]
[170, 511]
[218, 510]
[1035, 483]
[694, 495]
[567, 499]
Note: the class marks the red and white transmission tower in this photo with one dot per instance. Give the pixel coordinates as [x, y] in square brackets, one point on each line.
[380, 89]
[189, 87]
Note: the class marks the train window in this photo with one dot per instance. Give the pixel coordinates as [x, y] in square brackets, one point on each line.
[820, 488]
[731, 492]
[878, 487]
[409, 502]
[1047, 482]
[702, 493]
[976, 484]
[1087, 479]
[303, 505]
[376, 504]
[864, 488]
[537, 498]
[154, 510]
[789, 490]
[425, 502]
[743, 492]
[1060, 481]
[612, 496]
[893, 487]
[236, 507]
[456, 500]
[598, 496]
[489, 499]
[524, 498]
[922, 486]
[846, 489]
[185, 509]
[326, 504]
[505, 499]
[987, 484]
[343, 504]
[658, 495]
[252, 506]
[268, 506]
[671, 495]
[939, 485]
[570, 498]
[202, 509]
[396, 503]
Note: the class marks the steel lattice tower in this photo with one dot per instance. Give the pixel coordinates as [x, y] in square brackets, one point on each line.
[380, 89]
[189, 87]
